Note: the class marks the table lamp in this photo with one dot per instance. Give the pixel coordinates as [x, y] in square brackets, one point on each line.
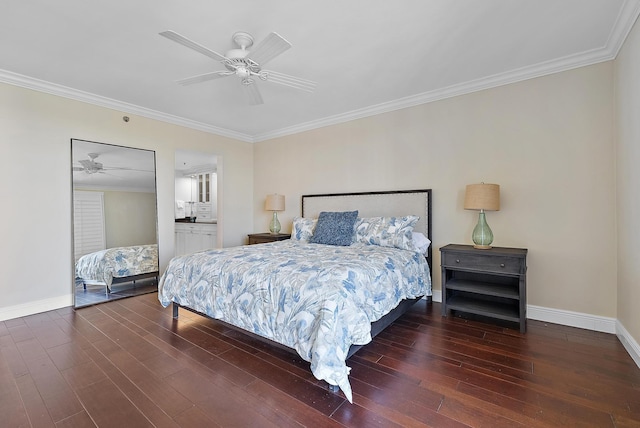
[274, 203]
[482, 197]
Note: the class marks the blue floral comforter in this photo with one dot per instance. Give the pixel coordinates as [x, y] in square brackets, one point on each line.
[103, 266]
[317, 299]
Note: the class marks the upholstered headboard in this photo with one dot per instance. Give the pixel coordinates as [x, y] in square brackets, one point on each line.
[394, 203]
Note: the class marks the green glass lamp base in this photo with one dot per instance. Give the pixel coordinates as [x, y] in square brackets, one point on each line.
[482, 235]
[274, 226]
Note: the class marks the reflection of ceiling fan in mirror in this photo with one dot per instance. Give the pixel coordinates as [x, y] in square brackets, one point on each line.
[244, 63]
[91, 166]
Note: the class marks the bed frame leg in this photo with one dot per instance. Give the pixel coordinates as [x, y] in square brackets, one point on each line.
[175, 306]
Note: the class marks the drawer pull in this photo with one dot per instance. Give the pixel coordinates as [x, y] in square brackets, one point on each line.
[501, 264]
[457, 260]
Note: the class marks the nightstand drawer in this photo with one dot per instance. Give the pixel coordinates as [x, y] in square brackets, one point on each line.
[486, 263]
[264, 238]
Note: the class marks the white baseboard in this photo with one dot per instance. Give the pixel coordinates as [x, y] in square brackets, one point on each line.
[36, 307]
[572, 319]
[628, 342]
[579, 320]
[557, 316]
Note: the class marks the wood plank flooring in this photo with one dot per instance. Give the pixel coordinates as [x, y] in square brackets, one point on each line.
[127, 363]
[93, 294]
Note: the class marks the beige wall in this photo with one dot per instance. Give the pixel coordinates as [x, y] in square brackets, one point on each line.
[130, 218]
[35, 222]
[628, 182]
[548, 142]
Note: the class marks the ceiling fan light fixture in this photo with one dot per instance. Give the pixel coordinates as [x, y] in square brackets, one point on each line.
[243, 72]
[245, 63]
[236, 53]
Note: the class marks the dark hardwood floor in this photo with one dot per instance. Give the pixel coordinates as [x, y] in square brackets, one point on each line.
[127, 363]
[94, 294]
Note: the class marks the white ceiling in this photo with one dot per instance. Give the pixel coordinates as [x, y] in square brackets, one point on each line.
[124, 168]
[188, 162]
[367, 56]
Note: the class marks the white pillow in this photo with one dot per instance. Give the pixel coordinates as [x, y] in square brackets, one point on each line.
[421, 242]
[387, 231]
[303, 228]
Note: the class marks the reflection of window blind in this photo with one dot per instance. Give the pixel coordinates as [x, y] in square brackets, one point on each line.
[88, 223]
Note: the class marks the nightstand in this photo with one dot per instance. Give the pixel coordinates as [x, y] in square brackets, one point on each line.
[263, 238]
[491, 283]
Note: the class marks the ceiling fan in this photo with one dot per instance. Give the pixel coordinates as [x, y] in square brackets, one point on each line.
[91, 166]
[244, 63]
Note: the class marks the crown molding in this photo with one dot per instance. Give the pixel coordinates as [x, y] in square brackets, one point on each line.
[469, 87]
[496, 80]
[624, 23]
[86, 97]
[627, 17]
[513, 76]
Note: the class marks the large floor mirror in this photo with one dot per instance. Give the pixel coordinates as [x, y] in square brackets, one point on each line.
[115, 232]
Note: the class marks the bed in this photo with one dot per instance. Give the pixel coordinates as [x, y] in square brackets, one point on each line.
[322, 300]
[117, 265]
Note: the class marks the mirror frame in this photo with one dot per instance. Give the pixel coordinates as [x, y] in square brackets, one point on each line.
[75, 168]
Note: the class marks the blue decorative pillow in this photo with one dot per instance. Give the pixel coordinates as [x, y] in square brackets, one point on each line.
[335, 228]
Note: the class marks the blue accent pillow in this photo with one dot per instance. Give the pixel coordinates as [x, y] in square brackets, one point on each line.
[335, 228]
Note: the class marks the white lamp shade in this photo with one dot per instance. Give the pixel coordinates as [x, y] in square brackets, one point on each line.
[274, 202]
[482, 197]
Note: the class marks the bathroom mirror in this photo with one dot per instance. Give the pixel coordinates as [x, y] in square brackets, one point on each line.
[115, 239]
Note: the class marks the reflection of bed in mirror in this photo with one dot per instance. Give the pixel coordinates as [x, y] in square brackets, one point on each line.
[118, 265]
[114, 220]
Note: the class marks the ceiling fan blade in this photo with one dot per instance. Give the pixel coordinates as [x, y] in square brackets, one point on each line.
[172, 35]
[117, 168]
[272, 46]
[204, 77]
[111, 175]
[291, 81]
[253, 94]
[90, 164]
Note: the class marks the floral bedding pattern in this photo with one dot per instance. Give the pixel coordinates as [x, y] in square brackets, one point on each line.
[103, 266]
[317, 299]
